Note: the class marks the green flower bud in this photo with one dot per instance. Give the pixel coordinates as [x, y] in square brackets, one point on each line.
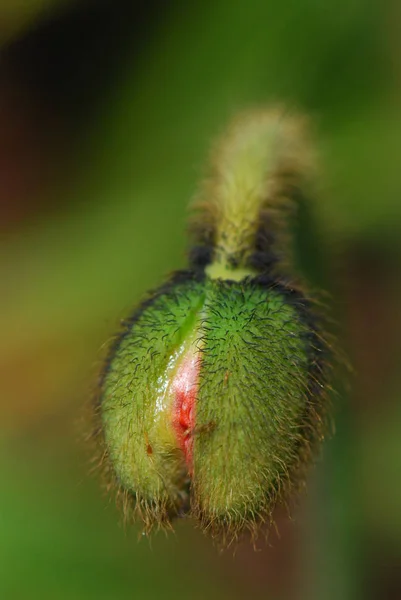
[211, 399]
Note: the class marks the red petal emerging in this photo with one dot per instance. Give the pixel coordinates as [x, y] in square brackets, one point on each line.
[185, 387]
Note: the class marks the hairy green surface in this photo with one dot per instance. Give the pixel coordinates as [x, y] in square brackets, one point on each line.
[253, 383]
[136, 403]
[250, 404]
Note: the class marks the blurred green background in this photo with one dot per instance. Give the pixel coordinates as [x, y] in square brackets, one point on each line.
[107, 110]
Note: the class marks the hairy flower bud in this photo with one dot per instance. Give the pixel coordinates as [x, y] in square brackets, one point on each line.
[211, 399]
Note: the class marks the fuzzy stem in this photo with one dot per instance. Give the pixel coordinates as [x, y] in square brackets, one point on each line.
[259, 168]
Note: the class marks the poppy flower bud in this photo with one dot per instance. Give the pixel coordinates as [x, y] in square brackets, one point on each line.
[211, 399]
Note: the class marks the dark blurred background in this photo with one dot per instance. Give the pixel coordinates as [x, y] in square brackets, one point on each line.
[107, 109]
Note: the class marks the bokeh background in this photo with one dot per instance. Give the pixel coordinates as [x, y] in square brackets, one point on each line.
[107, 109]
